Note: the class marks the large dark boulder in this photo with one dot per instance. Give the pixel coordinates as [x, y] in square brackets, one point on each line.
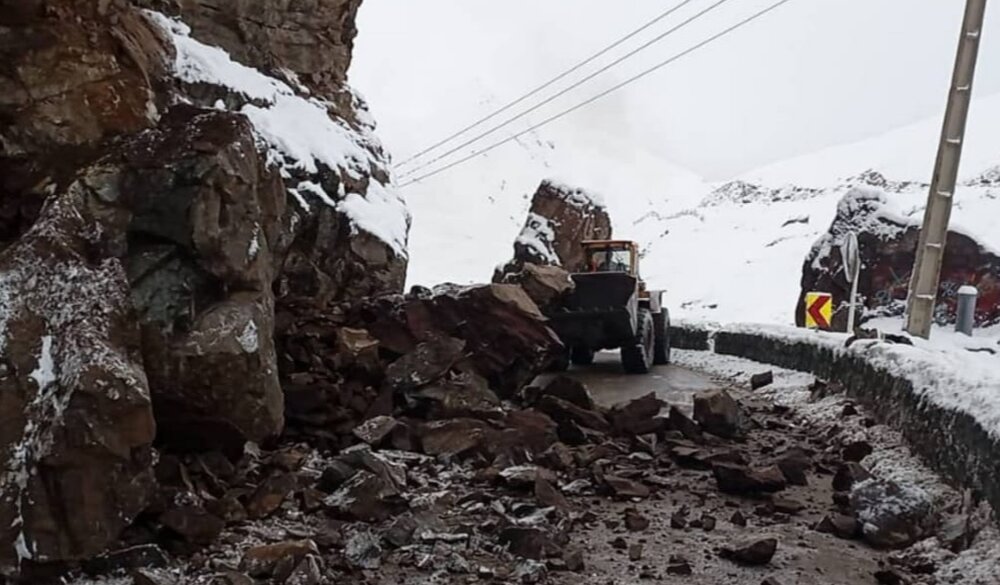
[560, 218]
[76, 423]
[201, 278]
[546, 285]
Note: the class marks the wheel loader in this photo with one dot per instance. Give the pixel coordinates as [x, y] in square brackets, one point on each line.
[611, 308]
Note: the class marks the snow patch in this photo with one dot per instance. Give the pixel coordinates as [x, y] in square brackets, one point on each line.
[45, 373]
[253, 248]
[248, 338]
[575, 195]
[538, 236]
[952, 371]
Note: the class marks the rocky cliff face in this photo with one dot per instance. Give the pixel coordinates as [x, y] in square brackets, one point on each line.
[887, 247]
[162, 198]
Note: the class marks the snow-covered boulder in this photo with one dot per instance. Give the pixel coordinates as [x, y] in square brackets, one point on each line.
[560, 218]
[888, 240]
[891, 514]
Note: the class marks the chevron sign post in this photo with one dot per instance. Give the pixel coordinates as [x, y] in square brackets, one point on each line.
[819, 310]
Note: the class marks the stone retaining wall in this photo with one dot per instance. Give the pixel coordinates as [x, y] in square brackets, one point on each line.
[685, 336]
[951, 442]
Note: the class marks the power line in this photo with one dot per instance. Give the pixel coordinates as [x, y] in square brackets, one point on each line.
[552, 98]
[603, 94]
[549, 83]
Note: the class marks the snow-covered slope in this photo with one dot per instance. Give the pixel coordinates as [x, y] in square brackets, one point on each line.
[904, 154]
[791, 85]
[737, 256]
[729, 252]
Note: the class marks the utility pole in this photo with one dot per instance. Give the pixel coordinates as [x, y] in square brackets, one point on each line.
[930, 250]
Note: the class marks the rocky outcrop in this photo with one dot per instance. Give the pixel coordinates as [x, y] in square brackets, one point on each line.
[888, 245]
[75, 74]
[309, 43]
[159, 202]
[206, 219]
[559, 219]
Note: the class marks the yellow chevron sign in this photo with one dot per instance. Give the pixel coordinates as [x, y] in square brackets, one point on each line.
[819, 310]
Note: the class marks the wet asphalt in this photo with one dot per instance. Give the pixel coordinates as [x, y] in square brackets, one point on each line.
[609, 385]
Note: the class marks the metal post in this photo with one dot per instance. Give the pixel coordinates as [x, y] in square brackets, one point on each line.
[930, 250]
[852, 310]
[850, 252]
[966, 322]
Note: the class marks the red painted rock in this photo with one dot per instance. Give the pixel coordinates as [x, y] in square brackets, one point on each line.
[887, 250]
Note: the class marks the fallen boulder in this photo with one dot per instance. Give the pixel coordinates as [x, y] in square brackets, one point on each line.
[560, 218]
[639, 416]
[428, 362]
[738, 479]
[718, 413]
[892, 515]
[506, 338]
[564, 412]
[570, 390]
[546, 285]
[452, 437]
[752, 552]
[77, 419]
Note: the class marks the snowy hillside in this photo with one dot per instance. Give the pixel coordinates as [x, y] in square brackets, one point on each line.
[724, 251]
[750, 238]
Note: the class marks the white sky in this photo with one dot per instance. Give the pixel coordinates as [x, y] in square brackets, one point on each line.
[812, 74]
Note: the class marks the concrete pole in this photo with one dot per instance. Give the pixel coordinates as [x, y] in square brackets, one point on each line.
[930, 250]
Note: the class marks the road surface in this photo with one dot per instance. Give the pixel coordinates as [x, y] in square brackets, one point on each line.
[610, 385]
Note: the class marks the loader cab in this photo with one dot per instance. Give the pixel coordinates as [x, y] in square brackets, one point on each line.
[612, 256]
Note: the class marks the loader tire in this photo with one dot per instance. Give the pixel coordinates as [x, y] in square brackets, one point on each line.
[637, 358]
[661, 346]
[559, 363]
[582, 356]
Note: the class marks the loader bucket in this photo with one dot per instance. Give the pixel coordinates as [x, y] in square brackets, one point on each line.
[600, 313]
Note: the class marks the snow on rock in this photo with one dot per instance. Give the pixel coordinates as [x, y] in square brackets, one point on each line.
[576, 195]
[538, 237]
[248, 338]
[302, 135]
[888, 235]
